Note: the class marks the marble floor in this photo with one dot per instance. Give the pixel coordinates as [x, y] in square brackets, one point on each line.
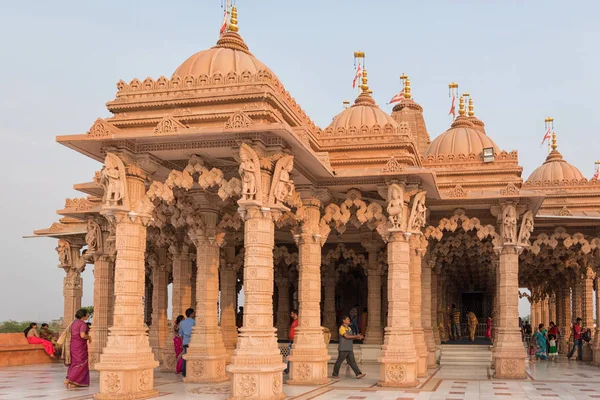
[560, 380]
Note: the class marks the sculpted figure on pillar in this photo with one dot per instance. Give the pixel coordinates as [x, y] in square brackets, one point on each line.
[418, 214]
[250, 172]
[112, 179]
[64, 254]
[93, 237]
[526, 228]
[395, 207]
[509, 224]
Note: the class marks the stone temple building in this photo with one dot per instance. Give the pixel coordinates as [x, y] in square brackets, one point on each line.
[215, 179]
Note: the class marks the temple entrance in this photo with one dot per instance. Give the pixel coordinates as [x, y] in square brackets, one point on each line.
[476, 302]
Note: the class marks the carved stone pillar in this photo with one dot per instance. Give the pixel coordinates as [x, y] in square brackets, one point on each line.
[228, 274]
[283, 301]
[427, 300]
[576, 297]
[398, 362]
[509, 356]
[256, 365]
[435, 307]
[329, 318]
[564, 317]
[206, 355]
[72, 282]
[127, 363]
[587, 308]
[374, 333]
[596, 341]
[442, 309]
[309, 355]
[159, 330]
[418, 246]
[182, 280]
[101, 301]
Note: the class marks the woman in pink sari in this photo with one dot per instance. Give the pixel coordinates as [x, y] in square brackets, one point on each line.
[178, 343]
[488, 328]
[75, 351]
[33, 337]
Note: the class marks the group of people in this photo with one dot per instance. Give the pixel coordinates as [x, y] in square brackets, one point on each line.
[544, 342]
[44, 336]
[182, 330]
[472, 322]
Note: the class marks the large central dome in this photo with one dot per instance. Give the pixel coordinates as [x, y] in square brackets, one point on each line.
[230, 54]
[461, 138]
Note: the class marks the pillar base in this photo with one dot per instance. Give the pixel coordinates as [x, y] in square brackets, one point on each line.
[588, 353]
[205, 368]
[397, 374]
[431, 359]
[509, 368]
[262, 382]
[308, 369]
[421, 365]
[596, 355]
[169, 363]
[126, 376]
[93, 359]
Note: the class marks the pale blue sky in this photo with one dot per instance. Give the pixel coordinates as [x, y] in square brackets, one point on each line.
[521, 61]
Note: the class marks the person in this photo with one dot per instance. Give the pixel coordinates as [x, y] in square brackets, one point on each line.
[178, 343]
[472, 325]
[488, 328]
[455, 318]
[33, 337]
[293, 326]
[553, 352]
[185, 330]
[540, 342]
[353, 314]
[46, 333]
[75, 351]
[577, 342]
[345, 349]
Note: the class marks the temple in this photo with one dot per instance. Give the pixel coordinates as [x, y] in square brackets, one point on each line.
[215, 180]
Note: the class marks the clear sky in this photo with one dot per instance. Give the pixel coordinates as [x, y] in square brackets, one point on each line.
[521, 61]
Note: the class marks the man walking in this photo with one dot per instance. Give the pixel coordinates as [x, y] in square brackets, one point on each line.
[455, 318]
[185, 330]
[293, 326]
[345, 349]
[577, 343]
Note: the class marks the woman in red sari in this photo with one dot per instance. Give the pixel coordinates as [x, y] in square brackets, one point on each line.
[75, 351]
[488, 328]
[33, 337]
[178, 343]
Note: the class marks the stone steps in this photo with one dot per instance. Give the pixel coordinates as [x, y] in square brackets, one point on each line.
[466, 355]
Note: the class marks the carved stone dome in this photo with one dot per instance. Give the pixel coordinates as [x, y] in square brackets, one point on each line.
[363, 117]
[229, 55]
[463, 138]
[554, 170]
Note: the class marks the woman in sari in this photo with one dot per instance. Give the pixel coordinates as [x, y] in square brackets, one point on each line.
[33, 337]
[540, 342]
[178, 343]
[75, 351]
[488, 328]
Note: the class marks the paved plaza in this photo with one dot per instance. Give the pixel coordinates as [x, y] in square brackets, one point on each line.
[560, 380]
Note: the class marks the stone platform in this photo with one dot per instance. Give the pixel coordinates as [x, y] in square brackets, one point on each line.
[559, 380]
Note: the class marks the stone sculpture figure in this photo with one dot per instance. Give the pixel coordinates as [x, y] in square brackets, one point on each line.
[250, 172]
[418, 213]
[509, 222]
[93, 237]
[395, 206]
[526, 228]
[110, 178]
[282, 186]
[472, 321]
[64, 253]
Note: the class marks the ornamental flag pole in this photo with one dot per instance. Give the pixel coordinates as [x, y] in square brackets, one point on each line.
[549, 126]
[597, 173]
[453, 92]
[225, 17]
[400, 96]
[358, 57]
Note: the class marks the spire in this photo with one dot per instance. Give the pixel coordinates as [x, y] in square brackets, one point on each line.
[364, 86]
[461, 106]
[554, 145]
[233, 20]
[477, 123]
[404, 78]
[462, 121]
[471, 108]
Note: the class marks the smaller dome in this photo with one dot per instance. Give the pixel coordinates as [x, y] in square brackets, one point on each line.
[554, 170]
[462, 138]
[363, 113]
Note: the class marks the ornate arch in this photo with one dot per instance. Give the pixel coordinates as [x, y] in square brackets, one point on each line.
[461, 220]
[568, 240]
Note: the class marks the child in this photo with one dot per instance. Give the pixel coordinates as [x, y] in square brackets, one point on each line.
[531, 353]
[553, 350]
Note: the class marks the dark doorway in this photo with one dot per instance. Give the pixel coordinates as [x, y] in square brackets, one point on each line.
[473, 301]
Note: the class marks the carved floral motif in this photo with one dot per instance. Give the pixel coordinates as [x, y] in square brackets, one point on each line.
[392, 166]
[112, 382]
[457, 193]
[169, 126]
[247, 385]
[510, 190]
[396, 373]
[238, 120]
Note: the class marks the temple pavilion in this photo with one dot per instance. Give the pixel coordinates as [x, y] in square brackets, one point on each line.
[215, 180]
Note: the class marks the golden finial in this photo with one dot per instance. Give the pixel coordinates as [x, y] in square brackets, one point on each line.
[346, 103]
[233, 21]
[554, 145]
[406, 81]
[461, 106]
[471, 108]
[364, 86]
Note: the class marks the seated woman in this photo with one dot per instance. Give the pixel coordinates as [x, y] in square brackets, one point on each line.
[46, 333]
[33, 337]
